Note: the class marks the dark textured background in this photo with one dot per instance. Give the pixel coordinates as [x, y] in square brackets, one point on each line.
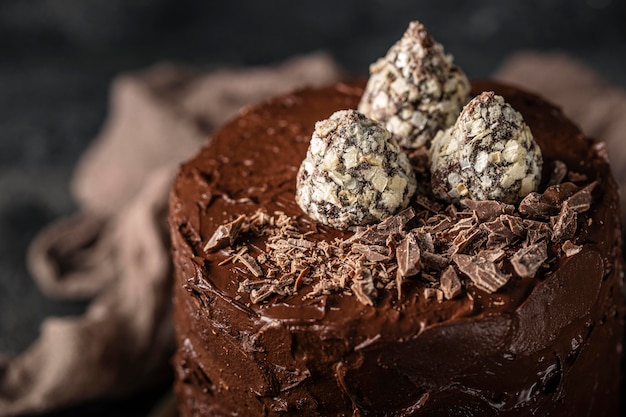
[58, 57]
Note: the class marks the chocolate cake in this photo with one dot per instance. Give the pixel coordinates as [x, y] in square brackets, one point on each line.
[455, 308]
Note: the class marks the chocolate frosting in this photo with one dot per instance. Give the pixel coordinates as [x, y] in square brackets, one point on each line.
[549, 345]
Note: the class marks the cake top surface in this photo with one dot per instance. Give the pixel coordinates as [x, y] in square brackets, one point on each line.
[245, 178]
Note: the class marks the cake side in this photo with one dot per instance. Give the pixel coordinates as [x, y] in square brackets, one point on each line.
[536, 346]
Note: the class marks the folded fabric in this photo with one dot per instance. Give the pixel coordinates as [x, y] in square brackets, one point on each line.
[115, 250]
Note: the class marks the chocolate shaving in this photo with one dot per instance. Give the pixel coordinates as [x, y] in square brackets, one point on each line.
[372, 253]
[475, 242]
[439, 224]
[488, 210]
[515, 225]
[580, 201]
[527, 261]
[464, 224]
[408, 256]
[536, 231]
[532, 206]
[570, 249]
[424, 239]
[369, 235]
[363, 287]
[556, 194]
[300, 242]
[300, 279]
[450, 283]
[225, 235]
[492, 255]
[396, 223]
[428, 204]
[251, 264]
[564, 225]
[543, 206]
[499, 234]
[273, 287]
[465, 239]
[484, 274]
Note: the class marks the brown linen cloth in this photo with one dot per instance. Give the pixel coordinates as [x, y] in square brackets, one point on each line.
[116, 249]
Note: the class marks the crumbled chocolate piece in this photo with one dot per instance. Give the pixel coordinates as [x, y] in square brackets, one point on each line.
[370, 235]
[532, 206]
[492, 255]
[354, 173]
[580, 201]
[466, 239]
[374, 253]
[499, 234]
[515, 224]
[565, 224]
[363, 287]
[379, 234]
[424, 239]
[394, 224]
[483, 273]
[461, 225]
[415, 90]
[489, 154]
[527, 260]
[408, 256]
[488, 210]
[556, 194]
[439, 224]
[570, 249]
[450, 283]
[225, 235]
[251, 264]
[262, 290]
[536, 231]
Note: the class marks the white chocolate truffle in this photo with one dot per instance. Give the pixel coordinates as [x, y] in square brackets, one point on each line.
[415, 90]
[354, 173]
[489, 154]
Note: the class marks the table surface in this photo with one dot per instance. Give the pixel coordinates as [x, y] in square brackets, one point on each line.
[57, 60]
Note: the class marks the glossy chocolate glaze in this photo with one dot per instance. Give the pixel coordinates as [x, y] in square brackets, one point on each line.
[544, 346]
